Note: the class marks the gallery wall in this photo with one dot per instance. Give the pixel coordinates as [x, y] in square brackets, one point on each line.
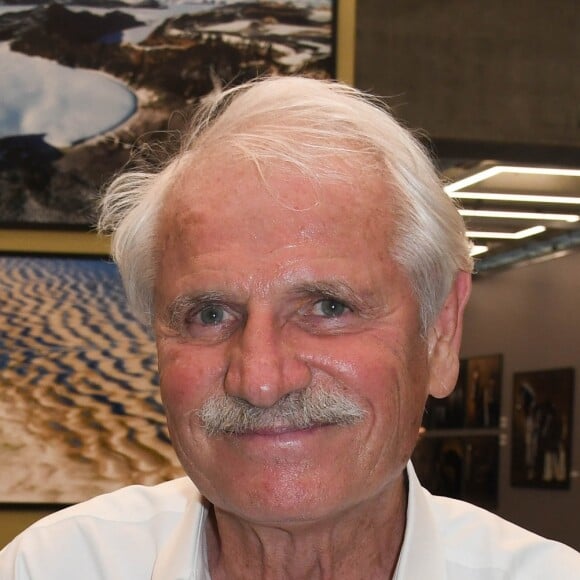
[530, 315]
[494, 72]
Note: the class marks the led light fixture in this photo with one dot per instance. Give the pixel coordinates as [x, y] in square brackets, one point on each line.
[519, 215]
[477, 250]
[517, 197]
[452, 188]
[527, 233]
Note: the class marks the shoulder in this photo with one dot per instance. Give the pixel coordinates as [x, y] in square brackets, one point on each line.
[134, 503]
[113, 535]
[475, 538]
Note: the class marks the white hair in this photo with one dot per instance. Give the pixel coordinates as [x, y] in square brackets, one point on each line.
[309, 124]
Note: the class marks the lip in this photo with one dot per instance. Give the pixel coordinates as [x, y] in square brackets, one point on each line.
[285, 436]
[275, 431]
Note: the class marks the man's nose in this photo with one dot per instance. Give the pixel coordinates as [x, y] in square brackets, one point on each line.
[264, 363]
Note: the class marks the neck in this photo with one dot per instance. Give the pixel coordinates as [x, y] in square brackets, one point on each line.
[363, 542]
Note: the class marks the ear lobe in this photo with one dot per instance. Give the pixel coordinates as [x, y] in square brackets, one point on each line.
[445, 338]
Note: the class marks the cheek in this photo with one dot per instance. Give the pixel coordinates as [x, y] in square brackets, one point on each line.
[187, 377]
[389, 377]
[371, 368]
[412, 394]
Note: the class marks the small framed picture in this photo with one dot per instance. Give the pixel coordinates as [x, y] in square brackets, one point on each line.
[448, 413]
[475, 401]
[541, 428]
[483, 391]
[461, 467]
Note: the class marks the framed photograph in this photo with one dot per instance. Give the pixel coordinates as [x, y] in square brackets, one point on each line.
[541, 428]
[440, 465]
[80, 412]
[483, 391]
[481, 470]
[82, 81]
[448, 413]
[461, 467]
[475, 401]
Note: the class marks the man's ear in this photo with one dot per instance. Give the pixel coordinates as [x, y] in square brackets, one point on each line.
[445, 338]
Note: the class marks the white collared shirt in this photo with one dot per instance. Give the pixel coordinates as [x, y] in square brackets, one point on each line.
[157, 533]
[447, 539]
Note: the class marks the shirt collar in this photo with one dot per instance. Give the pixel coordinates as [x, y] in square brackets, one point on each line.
[422, 552]
[184, 555]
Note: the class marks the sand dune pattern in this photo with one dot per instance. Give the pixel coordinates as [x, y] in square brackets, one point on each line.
[80, 412]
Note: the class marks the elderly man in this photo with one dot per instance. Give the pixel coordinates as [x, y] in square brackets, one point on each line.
[306, 277]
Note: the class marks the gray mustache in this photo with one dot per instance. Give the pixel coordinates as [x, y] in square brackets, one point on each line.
[228, 415]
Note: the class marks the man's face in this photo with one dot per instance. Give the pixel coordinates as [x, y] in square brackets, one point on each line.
[267, 290]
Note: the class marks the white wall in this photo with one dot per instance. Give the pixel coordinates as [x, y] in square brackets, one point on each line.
[531, 315]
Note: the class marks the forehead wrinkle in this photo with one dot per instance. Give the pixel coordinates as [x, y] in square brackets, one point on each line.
[196, 207]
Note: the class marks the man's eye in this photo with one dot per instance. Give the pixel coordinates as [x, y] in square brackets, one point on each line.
[330, 308]
[211, 315]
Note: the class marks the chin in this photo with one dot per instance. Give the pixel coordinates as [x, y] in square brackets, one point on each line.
[286, 500]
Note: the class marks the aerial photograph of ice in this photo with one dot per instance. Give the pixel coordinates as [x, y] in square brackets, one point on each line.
[84, 82]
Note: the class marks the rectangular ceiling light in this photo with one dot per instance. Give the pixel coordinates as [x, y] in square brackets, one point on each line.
[496, 170]
[523, 197]
[520, 215]
[476, 250]
[538, 170]
[528, 232]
